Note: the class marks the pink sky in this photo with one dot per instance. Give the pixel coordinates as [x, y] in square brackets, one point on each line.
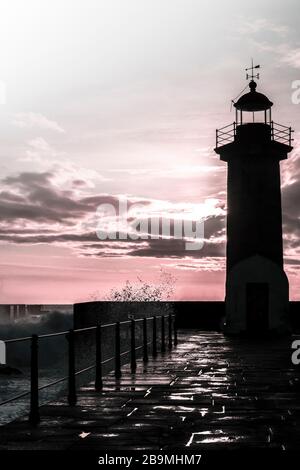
[107, 101]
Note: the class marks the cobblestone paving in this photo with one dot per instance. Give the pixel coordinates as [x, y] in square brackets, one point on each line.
[211, 392]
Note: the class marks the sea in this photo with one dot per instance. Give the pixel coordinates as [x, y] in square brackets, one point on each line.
[12, 386]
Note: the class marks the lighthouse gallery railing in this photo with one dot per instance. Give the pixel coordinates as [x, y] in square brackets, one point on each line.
[279, 133]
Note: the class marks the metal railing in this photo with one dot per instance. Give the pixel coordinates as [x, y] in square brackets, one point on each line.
[282, 134]
[279, 133]
[34, 413]
[225, 135]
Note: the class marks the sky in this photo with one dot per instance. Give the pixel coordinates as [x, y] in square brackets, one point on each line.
[102, 102]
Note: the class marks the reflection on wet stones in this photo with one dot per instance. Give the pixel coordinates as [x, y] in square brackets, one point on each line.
[211, 392]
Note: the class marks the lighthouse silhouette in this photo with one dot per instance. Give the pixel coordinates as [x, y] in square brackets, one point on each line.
[257, 289]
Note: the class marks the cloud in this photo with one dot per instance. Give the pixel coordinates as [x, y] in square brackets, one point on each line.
[258, 25]
[180, 172]
[291, 193]
[290, 200]
[21, 238]
[278, 43]
[173, 248]
[35, 208]
[27, 179]
[292, 57]
[35, 121]
[40, 144]
[286, 53]
[40, 152]
[36, 196]
[45, 156]
[214, 226]
[206, 264]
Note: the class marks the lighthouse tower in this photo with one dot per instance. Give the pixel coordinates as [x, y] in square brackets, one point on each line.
[257, 290]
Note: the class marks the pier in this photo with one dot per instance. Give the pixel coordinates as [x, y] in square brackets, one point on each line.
[207, 392]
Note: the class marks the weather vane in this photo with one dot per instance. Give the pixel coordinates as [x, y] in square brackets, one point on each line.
[252, 75]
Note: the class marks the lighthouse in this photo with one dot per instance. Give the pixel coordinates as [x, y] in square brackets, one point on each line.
[257, 289]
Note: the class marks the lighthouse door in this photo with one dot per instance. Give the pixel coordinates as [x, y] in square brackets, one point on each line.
[257, 307]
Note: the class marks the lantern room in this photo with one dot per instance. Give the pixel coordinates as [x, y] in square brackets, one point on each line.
[253, 107]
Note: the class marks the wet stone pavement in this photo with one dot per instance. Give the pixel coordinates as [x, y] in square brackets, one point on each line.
[211, 392]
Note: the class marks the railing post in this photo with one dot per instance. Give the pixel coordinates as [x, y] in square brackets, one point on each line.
[170, 332]
[145, 341]
[272, 130]
[34, 415]
[163, 344]
[175, 332]
[154, 348]
[72, 398]
[98, 380]
[132, 354]
[118, 372]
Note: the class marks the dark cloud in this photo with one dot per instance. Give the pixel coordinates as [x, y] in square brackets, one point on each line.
[100, 199]
[292, 261]
[291, 214]
[51, 238]
[24, 210]
[177, 249]
[32, 199]
[7, 196]
[27, 179]
[214, 226]
[32, 196]
[79, 183]
[22, 231]
[290, 198]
